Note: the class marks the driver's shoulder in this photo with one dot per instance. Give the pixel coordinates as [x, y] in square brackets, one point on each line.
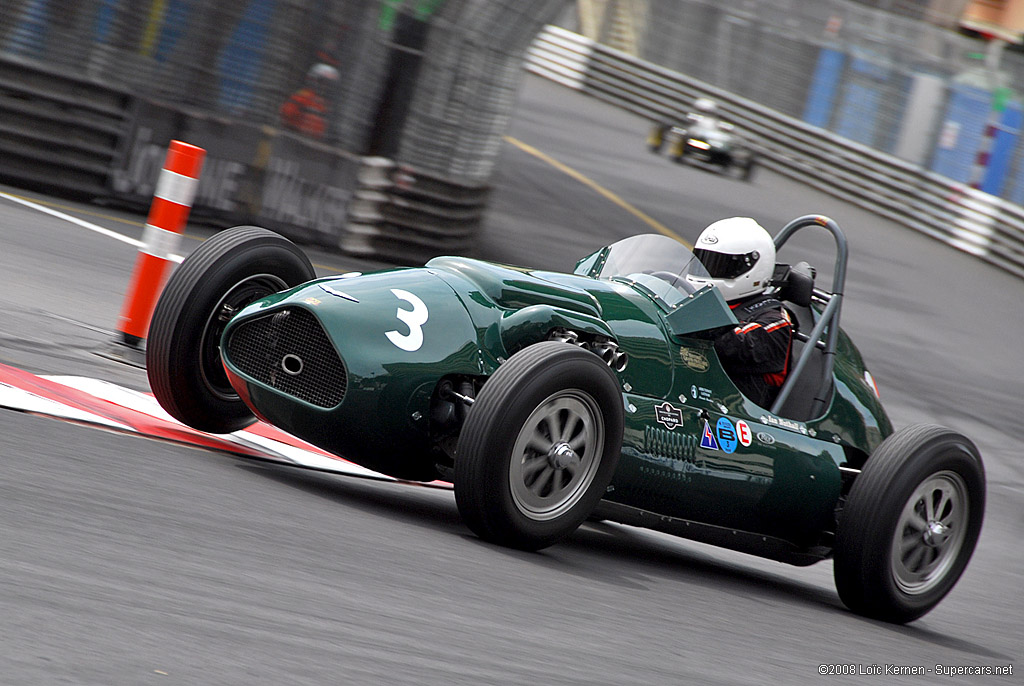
[756, 305]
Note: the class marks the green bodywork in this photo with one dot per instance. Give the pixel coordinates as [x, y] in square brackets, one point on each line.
[685, 452]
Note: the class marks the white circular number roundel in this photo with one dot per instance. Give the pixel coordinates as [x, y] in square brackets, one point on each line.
[414, 319]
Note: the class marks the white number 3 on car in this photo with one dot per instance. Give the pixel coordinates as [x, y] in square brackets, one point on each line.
[414, 319]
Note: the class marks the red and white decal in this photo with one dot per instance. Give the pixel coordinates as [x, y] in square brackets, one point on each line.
[743, 433]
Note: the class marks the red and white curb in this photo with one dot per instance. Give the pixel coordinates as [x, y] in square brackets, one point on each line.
[110, 406]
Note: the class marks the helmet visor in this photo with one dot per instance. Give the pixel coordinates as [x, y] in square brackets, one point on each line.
[725, 266]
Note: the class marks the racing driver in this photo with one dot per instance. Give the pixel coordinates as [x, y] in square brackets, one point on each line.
[740, 258]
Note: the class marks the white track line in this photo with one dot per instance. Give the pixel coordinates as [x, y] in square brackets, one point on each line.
[82, 223]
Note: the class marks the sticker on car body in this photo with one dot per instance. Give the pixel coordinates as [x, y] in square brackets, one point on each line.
[726, 435]
[668, 416]
[414, 319]
[694, 359]
[707, 438]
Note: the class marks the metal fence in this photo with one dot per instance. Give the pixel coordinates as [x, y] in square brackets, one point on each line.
[242, 59]
[468, 82]
[236, 58]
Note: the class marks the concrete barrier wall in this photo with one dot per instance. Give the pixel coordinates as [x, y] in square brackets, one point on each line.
[73, 136]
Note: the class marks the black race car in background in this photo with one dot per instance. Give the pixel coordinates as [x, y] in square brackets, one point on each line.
[703, 139]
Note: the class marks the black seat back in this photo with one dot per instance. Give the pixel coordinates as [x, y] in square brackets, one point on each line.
[796, 286]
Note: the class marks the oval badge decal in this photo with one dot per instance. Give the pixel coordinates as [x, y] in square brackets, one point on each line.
[765, 438]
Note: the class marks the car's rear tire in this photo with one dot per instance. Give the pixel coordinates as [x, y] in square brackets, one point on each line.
[910, 523]
[539, 447]
[748, 170]
[225, 273]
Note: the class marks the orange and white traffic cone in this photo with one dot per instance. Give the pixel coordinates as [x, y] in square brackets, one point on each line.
[172, 202]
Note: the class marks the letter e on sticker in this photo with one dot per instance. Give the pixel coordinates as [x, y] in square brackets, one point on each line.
[743, 433]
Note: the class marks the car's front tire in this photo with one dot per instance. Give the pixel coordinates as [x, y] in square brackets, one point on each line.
[230, 270]
[910, 523]
[539, 447]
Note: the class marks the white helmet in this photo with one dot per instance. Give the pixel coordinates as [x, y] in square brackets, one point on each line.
[739, 256]
[705, 105]
[322, 72]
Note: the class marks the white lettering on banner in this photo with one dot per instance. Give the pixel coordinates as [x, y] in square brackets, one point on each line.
[176, 188]
[145, 162]
[159, 242]
[143, 175]
[286, 194]
[288, 197]
[218, 184]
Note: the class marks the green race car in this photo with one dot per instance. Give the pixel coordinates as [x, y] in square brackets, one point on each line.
[550, 398]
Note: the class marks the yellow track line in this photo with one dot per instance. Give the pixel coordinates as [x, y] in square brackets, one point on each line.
[596, 187]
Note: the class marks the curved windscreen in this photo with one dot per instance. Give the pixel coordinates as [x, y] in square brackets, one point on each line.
[658, 265]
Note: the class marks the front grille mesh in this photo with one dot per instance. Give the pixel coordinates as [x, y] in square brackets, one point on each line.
[290, 351]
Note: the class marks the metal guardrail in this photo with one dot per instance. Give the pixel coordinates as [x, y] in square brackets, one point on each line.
[400, 214]
[70, 134]
[977, 223]
[58, 131]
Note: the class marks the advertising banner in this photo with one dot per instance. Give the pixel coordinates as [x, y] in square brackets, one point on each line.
[253, 174]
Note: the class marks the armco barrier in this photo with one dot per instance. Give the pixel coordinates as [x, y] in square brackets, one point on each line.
[967, 219]
[400, 214]
[58, 131]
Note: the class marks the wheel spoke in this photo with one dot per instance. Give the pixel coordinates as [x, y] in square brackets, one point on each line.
[913, 560]
[945, 507]
[539, 442]
[551, 423]
[559, 480]
[929, 506]
[539, 486]
[531, 467]
[569, 427]
[908, 542]
[917, 522]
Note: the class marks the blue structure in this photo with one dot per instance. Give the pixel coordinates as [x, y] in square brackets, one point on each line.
[28, 38]
[824, 86]
[241, 59]
[862, 99]
[967, 116]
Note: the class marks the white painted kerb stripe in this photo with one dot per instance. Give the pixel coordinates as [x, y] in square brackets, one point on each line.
[176, 188]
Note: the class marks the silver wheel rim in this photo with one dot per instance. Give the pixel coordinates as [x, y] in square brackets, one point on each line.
[930, 533]
[556, 455]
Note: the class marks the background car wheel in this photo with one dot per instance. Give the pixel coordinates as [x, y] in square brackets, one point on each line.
[910, 523]
[748, 170]
[677, 150]
[227, 272]
[539, 447]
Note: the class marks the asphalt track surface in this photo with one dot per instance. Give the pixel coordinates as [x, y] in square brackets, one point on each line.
[125, 560]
